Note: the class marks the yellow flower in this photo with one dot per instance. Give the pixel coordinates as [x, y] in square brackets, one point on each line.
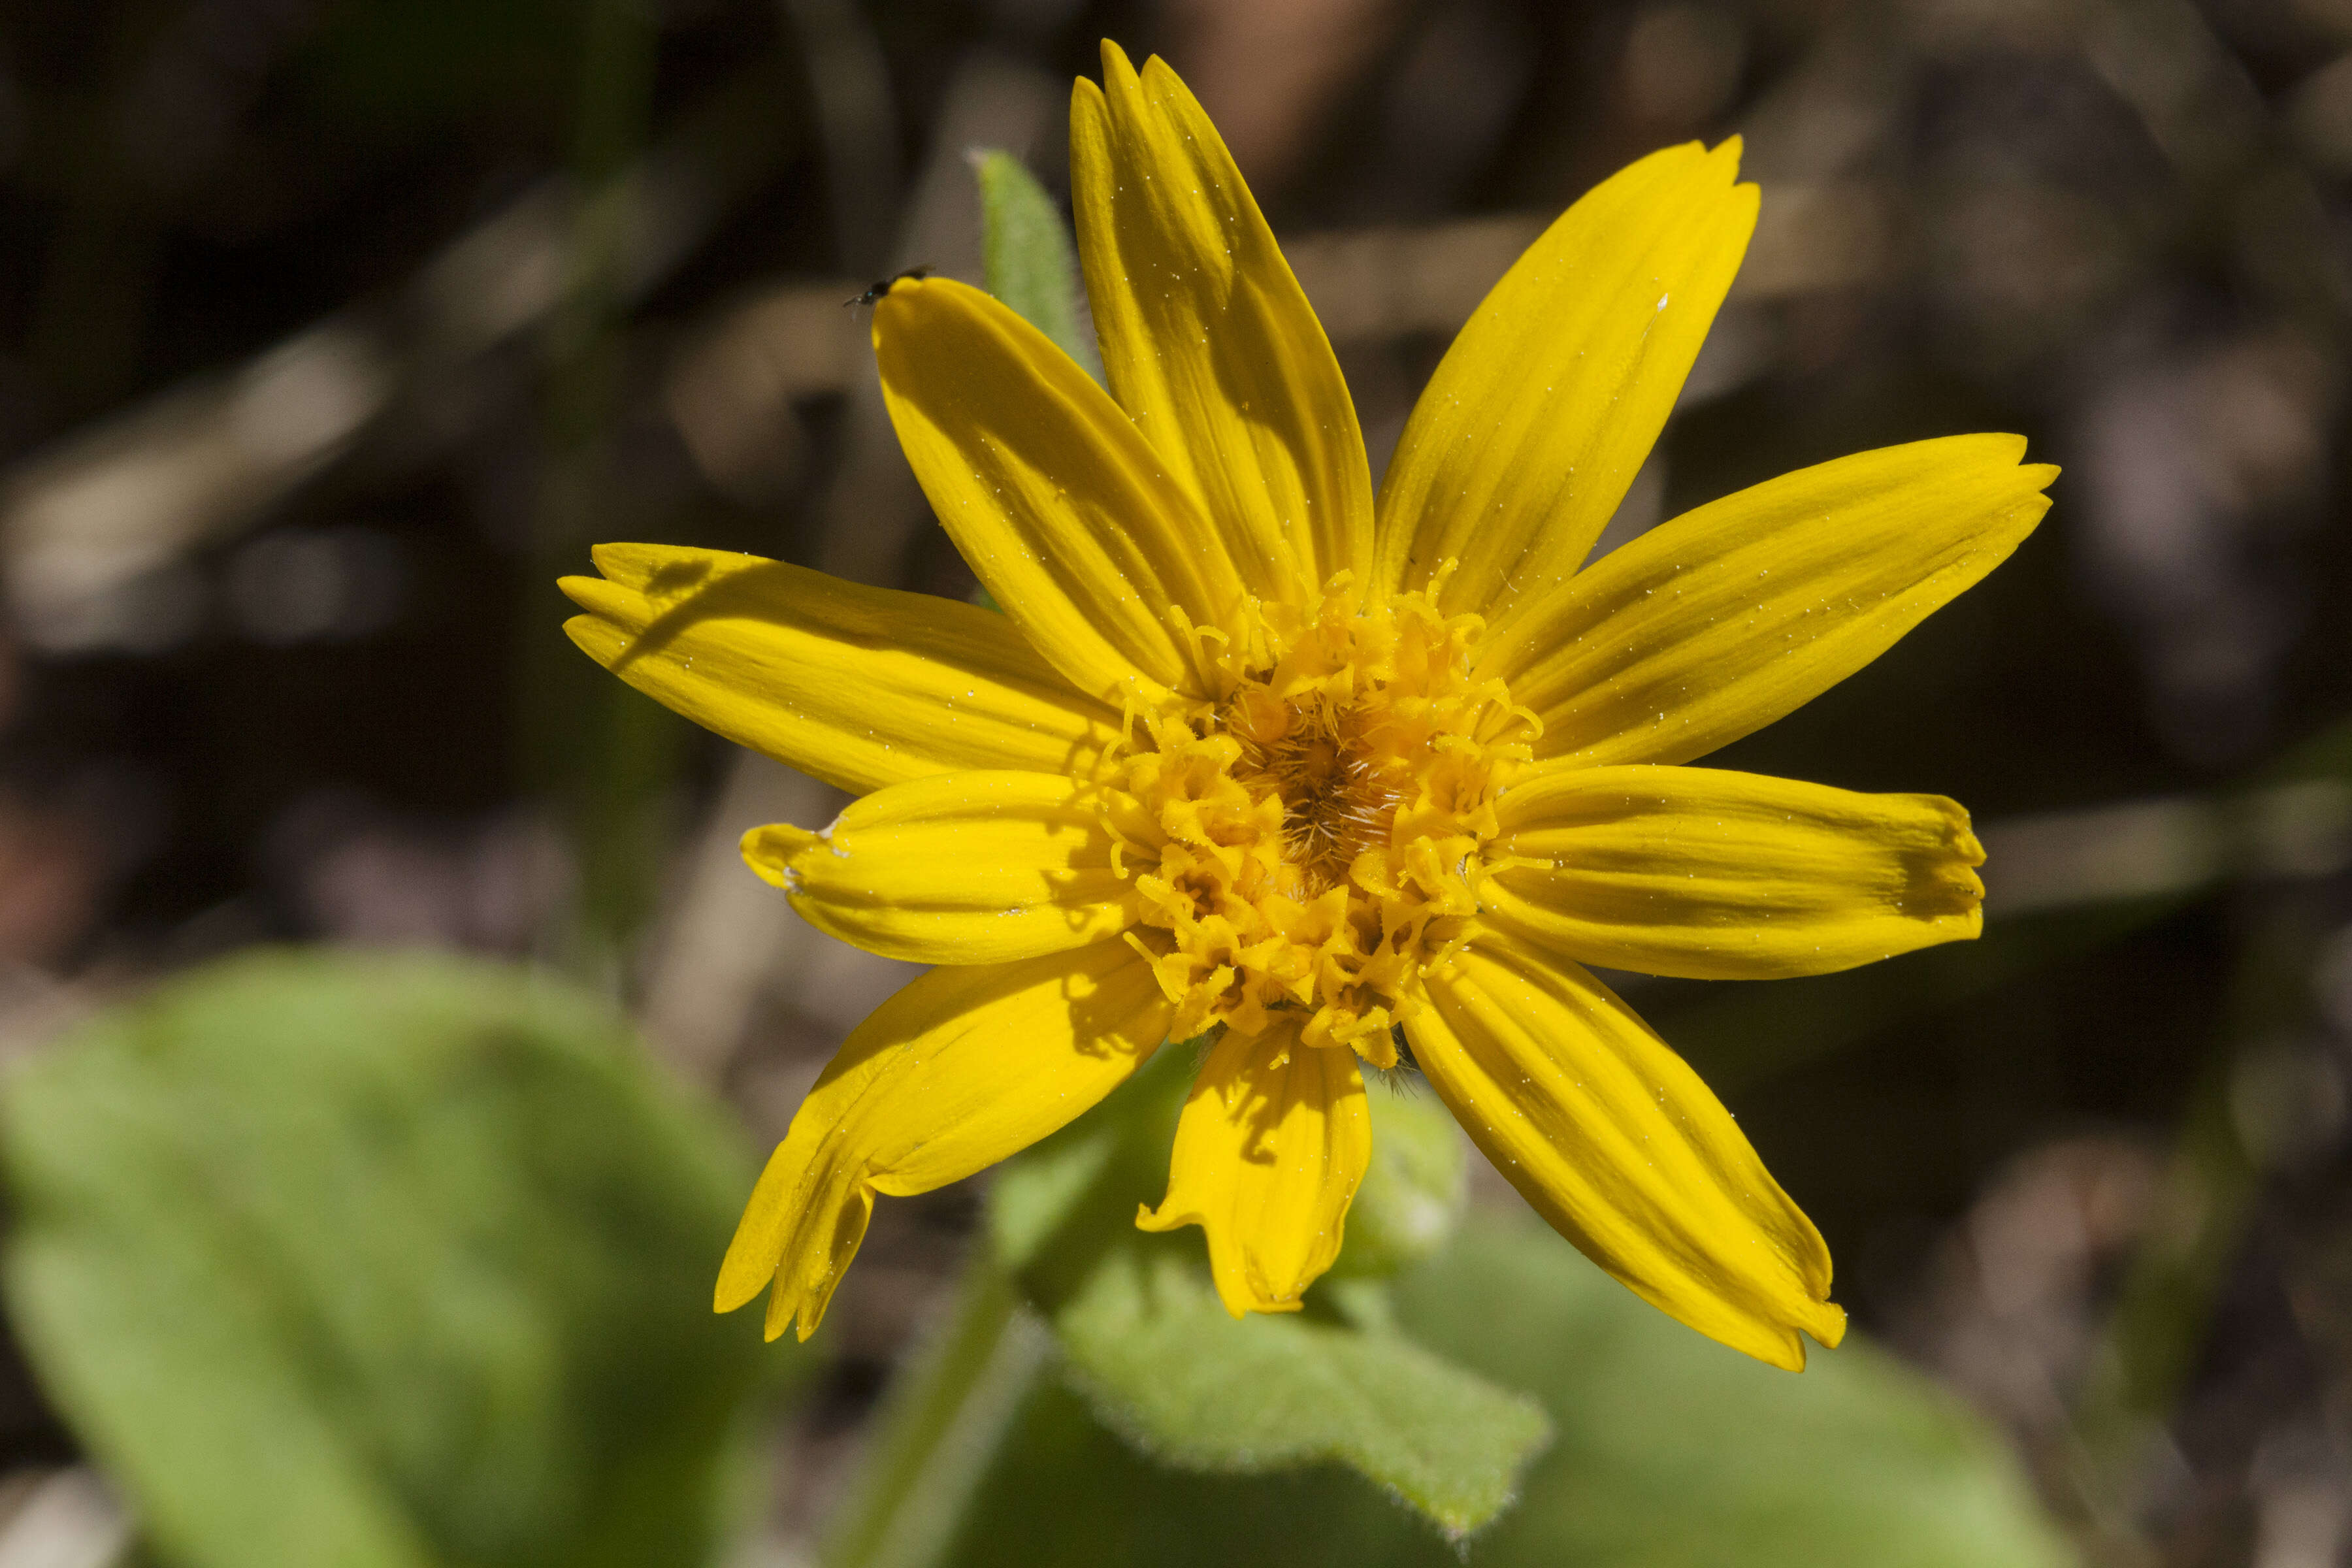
[1252, 752]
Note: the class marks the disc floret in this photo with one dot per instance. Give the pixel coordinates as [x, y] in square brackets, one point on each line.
[1306, 842]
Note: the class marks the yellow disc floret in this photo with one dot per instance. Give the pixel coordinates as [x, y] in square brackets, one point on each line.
[1307, 841]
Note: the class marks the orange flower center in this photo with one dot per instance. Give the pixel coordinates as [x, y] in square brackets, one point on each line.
[1307, 841]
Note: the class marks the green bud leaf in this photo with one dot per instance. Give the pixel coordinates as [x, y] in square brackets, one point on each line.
[1028, 260]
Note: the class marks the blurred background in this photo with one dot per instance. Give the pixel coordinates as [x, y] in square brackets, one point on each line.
[332, 331]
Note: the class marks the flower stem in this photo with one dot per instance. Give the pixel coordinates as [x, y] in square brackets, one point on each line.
[941, 1428]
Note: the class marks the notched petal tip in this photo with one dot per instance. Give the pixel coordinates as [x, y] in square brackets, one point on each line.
[607, 600]
[782, 1312]
[630, 565]
[1825, 1326]
[769, 850]
[597, 637]
[1943, 886]
[1722, 160]
[1236, 1291]
[1830, 1326]
[1707, 873]
[737, 1286]
[585, 592]
[1208, 343]
[1959, 829]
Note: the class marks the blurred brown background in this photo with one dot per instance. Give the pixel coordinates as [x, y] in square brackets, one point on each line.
[331, 332]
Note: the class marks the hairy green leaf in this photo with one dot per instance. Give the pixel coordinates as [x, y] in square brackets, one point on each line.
[1671, 1451]
[1027, 255]
[383, 1263]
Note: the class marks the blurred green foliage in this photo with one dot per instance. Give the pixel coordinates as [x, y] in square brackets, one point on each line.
[384, 1263]
[1416, 1188]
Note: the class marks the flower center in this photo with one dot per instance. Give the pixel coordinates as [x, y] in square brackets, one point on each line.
[1338, 793]
[1307, 841]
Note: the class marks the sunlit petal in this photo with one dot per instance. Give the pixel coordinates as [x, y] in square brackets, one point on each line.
[1061, 509]
[1207, 338]
[978, 867]
[1717, 623]
[859, 687]
[1271, 1144]
[1550, 401]
[1726, 876]
[1614, 1140]
[960, 1070]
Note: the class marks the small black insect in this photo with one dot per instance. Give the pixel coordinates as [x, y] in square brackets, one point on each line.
[875, 293]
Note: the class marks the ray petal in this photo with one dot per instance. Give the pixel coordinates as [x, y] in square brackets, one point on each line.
[975, 867]
[962, 1067]
[1726, 876]
[1713, 625]
[1616, 1141]
[1061, 510]
[1550, 399]
[1206, 337]
[1274, 1140]
[859, 687]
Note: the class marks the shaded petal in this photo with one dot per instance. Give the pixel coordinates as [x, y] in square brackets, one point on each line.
[1547, 405]
[1061, 508]
[1207, 339]
[1617, 1142]
[1274, 1140]
[1716, 623]
[1725, 875]
[958, 1070]
[977, 868]
[859, 687]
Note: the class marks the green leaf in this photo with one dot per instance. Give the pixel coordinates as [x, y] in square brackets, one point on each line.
[383, 1263]
[1672, 1452]
[1149, 1339]
[1027, 258]
[1156, 1355]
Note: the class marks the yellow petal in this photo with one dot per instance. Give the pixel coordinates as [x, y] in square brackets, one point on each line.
[860, 686]
[1546, 407]
[960, 1070]
[978, 867]
[1617, 1143]
[1274, 1140]
[1726, 876]
[1717, 623]
[1059, 506]
[1206, 337]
